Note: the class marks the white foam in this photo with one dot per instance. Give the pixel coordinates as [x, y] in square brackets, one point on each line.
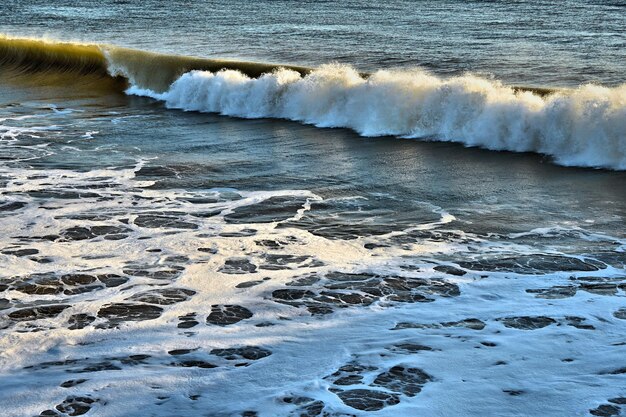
[583, 127]
[304, 349]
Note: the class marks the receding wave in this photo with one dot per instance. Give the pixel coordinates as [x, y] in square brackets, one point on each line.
[577, 127]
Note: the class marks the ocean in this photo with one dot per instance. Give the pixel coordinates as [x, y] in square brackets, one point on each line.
[313, 208]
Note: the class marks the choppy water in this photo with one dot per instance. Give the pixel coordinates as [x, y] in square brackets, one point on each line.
[159, 262]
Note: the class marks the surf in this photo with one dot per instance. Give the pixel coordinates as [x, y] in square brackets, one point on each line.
[584, 127]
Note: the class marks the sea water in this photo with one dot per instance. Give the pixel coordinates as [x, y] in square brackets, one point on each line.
[414, 208]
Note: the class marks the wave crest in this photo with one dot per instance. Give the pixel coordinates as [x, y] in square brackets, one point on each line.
[37, 57]
[582, 127]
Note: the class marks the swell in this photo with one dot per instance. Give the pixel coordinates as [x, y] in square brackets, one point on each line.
[78, 69]
[34, 57]
[577, 127]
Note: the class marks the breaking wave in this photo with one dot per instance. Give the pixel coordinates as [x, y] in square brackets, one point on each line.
[30, 57]
[583, 127]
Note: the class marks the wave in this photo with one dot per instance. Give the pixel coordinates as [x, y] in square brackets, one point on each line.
[583, 127]
[137, 68]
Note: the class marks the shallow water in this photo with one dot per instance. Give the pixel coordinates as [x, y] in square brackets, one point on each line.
[160, 262]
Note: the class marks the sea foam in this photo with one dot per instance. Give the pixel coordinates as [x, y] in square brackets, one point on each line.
[581, 127]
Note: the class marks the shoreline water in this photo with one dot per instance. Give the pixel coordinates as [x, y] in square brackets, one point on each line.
[194, 251]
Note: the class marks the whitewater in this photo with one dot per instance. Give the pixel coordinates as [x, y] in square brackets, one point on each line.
[312, 209]
[583, 127]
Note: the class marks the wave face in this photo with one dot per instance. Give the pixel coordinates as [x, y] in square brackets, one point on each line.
[36, 57]
[158, 71]
[31, 55]
[584, 127]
